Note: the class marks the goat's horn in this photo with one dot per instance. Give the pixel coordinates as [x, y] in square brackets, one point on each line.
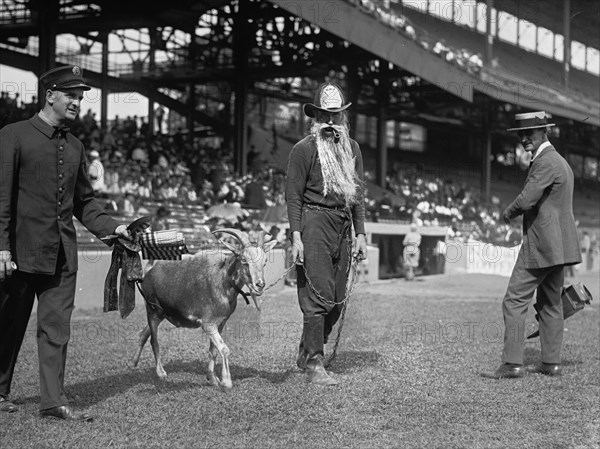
[240, 235]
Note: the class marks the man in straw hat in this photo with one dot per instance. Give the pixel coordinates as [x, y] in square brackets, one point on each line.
[549, 244]
[324, 192]
[44, 184]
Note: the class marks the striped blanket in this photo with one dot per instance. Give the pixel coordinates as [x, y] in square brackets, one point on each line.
[163, 245]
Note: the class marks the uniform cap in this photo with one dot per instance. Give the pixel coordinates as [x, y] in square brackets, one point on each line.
[64, 77]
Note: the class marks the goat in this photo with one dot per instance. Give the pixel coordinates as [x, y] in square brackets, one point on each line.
[202, 292]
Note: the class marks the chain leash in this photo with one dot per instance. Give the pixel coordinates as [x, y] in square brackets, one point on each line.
[285, 272]
[351, 272]
[349, 291]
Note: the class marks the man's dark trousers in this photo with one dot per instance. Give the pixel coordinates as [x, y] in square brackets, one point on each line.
[325, 235]
[55, 295]
[523, 282]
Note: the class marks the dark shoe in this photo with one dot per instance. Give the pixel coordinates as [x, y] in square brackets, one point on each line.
[549, 369]
[316, 374]
[506, 371]
[7, 406]
[65, 412]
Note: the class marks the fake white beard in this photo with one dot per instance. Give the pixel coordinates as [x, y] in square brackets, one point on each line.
[337, 162]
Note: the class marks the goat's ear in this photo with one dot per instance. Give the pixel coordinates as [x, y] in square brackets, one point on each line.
[269, 245]
[229, 246]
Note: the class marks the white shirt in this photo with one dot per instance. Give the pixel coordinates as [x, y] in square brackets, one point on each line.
[546, 144]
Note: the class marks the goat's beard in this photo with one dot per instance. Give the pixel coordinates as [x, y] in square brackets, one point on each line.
[337, 161]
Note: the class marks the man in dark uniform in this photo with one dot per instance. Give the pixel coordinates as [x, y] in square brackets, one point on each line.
[549, 244]
[43, 184]
[324, 194]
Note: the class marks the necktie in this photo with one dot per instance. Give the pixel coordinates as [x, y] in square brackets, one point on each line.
[61, 130]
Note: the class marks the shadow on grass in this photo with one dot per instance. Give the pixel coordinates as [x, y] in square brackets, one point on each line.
[96, 390]
[533, 356]
[237, 372]
[93, 391]
[351, 360]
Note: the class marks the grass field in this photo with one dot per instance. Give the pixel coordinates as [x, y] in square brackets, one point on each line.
[409, 367]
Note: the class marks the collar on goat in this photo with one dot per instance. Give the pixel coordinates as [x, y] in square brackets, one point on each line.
[241, 292]
[230, 273]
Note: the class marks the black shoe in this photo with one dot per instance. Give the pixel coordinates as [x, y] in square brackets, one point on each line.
[549, 369]
[7, 406]
[506, 371]
[66, 413]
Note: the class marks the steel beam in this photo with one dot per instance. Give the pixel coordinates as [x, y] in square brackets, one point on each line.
[351, 23]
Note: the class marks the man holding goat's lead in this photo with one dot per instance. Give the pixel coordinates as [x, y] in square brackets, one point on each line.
[325, 197]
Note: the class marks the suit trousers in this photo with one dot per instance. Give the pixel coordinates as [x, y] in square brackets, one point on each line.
[56, 294]
[326, 239]
[523, 282]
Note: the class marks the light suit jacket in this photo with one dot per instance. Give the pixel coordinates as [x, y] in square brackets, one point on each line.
[546, 202]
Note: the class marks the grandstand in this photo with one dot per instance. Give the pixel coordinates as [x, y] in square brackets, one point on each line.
[433, 94]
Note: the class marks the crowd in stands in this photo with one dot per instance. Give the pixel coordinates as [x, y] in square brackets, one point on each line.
[167, 169]
[382, 11]
[432, 201]
[12, 109]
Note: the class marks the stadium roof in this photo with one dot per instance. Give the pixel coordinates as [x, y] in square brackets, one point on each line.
[585, 16]
[319, 52]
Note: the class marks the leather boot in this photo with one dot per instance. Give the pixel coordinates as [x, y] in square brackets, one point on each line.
[301, 358]
[313, 347]
[316, 374]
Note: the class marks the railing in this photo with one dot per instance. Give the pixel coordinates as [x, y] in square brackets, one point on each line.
[12, 12]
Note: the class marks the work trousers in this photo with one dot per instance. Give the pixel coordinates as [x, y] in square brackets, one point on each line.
[523, 282]
[56, 294]
[327, 243]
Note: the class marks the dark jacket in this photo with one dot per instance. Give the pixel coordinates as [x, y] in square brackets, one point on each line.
[43, 184]
[546, 202]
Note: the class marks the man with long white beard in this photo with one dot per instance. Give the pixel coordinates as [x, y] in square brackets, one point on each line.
[324, 193]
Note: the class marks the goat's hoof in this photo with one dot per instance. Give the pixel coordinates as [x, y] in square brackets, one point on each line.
[225, 387]
[212, 379]
[161, 374]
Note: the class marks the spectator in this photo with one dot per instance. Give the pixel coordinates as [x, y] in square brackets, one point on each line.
[586, 250]
[159, 114]
[412, 252]
[255, 194]
[160, 221]
[96, 172]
